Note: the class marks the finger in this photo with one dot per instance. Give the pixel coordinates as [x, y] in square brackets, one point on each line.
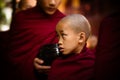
[44, 69]
[39, 66]
[39, 61]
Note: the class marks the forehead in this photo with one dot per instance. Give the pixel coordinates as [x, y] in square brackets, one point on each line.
[63, 27]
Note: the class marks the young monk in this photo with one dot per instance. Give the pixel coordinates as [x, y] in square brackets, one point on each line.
[75, 62]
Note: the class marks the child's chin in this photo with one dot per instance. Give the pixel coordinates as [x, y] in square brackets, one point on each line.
[65, 54]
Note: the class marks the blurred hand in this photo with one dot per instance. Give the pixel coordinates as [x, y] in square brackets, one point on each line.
[39, 67]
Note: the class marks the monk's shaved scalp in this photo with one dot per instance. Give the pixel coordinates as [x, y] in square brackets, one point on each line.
[78, 23]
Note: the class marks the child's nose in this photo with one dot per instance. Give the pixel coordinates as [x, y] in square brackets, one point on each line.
[59, 41]
[52, 2]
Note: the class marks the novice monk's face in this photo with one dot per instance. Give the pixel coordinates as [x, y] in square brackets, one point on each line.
[49, 6]
[68, 39]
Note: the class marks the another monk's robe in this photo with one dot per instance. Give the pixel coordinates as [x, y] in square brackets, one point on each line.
[107, 66]
[30, 30]
[73, 67]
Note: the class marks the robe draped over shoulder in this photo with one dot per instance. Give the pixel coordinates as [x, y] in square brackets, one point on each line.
[30, 30]
[73, 67]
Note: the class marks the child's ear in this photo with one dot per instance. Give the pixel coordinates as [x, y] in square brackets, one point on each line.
[81, 37]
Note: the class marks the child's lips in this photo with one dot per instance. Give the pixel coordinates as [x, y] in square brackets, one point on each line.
[51, 9]
[61, 49]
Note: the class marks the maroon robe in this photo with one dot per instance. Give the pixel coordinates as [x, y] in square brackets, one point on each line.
[73, 67]
[107, 65]
[30, 30]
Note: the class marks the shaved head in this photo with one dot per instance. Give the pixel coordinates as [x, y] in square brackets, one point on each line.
[78, 23]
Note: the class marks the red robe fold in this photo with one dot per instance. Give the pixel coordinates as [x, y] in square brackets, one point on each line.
[107, 66]
[30, 30]
[75, 67]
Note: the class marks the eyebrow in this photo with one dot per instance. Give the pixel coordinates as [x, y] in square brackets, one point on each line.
[61, 31]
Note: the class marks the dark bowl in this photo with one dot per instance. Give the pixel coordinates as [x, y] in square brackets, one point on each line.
[48, 53]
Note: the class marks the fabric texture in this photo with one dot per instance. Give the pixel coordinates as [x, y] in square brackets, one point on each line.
[73, 67]
[30, 30]
[107, 66]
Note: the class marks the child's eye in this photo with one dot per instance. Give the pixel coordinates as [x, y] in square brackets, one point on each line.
[57, 36]
[63, 35]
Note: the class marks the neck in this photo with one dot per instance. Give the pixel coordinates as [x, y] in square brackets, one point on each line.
[82, 46]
